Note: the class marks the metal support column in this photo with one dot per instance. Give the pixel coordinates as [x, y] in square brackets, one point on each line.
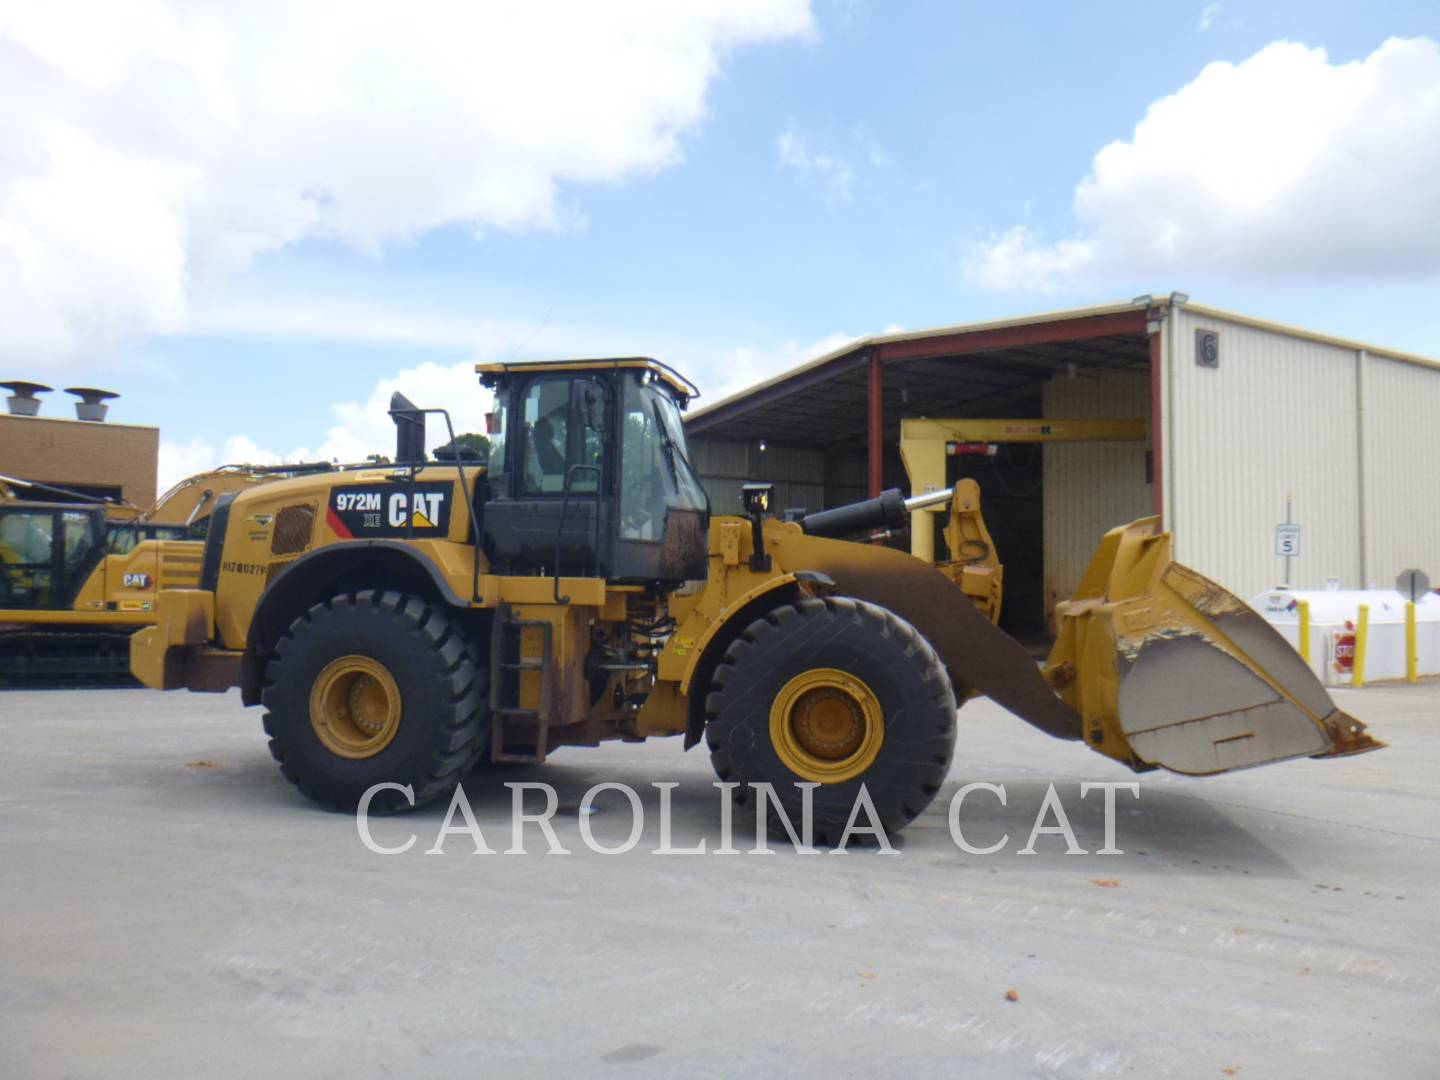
[877, 424]
[1157, 460]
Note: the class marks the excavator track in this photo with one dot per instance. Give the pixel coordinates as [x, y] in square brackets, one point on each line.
[62, 657]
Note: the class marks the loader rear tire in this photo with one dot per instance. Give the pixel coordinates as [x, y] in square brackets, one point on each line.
[837, 692]
[375, 687]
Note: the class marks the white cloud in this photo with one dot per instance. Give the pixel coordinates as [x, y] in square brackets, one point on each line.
[1019, 258]
[832, 175]
[1283, 166]
[179, 460]
[1208, 15]
[155, 144]
[744, 367]
[359, 429]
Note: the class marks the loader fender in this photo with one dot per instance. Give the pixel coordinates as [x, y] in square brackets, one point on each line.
[710, 647]
[354, 564]
[979, 655]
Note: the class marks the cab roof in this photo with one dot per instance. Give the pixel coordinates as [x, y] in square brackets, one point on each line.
[664, 372]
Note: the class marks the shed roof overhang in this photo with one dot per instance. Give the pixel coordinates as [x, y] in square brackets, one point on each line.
[973, 370]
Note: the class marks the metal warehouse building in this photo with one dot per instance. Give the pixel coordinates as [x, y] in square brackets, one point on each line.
[1236, 420]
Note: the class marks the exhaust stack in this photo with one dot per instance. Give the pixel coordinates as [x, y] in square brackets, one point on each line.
[409, 430]
[23, 400]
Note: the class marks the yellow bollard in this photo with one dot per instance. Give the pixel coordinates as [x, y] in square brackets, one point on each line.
[1362, 632]
[1411, 660]
[1304, 606]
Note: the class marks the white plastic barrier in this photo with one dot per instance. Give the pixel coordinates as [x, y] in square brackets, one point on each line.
[1334, 614]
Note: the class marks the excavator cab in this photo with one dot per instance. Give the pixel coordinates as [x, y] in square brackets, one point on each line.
[589, 474]
[47, 552]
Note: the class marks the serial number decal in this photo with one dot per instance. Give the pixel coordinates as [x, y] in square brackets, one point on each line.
[390, 509]
[243, 567]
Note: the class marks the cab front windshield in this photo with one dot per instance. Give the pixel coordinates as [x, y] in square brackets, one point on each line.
[655, 474]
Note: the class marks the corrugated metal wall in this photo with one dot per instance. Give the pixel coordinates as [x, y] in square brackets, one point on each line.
[1402, 466]
[798, 475]
[1091, 487]
[1278, 416]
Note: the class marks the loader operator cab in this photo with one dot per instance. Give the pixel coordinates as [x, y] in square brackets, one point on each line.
[589, 474]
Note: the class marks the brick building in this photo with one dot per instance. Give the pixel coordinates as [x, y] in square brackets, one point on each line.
[116, 461]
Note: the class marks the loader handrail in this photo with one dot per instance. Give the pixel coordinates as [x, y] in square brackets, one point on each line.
[560, 526]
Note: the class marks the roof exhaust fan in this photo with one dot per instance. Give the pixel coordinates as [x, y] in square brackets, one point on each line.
[23, 400]
[91, 405]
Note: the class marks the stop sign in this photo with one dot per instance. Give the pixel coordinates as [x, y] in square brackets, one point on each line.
[1345, 652]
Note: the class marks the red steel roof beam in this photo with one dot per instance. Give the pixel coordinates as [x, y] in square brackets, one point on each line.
[1011, 337]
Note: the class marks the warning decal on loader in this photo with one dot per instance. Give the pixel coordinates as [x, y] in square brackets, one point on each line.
[390, 510]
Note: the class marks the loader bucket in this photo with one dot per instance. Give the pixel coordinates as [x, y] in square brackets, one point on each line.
[1166, 668]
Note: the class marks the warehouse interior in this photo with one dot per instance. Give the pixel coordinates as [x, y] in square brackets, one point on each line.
[828, 433]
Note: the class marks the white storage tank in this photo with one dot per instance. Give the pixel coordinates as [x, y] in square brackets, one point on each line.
[1334, 614]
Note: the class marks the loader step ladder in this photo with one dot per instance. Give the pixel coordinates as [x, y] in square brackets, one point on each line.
[519, 733]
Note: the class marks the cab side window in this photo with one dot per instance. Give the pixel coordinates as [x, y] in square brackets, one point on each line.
[643, 474]
[556, 440]
[79, 541]
[545, 413]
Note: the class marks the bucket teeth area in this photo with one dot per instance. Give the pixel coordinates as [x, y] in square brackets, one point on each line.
[1169, 669]
[1347, 736]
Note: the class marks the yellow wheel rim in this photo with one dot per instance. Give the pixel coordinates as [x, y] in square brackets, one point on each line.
[826, 726]
[355, 707]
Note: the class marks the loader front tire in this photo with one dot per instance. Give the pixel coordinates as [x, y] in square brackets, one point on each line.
[375, 687]
[835, 692]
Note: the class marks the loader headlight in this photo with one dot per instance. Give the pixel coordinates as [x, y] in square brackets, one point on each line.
[755, 498]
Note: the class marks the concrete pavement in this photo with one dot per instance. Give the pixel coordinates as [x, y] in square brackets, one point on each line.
[169, 906]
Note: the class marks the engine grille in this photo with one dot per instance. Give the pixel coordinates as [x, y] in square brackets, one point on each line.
[293, 528]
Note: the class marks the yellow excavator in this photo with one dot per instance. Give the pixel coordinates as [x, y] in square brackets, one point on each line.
[190, 502]
[401, 624]
[78, 577]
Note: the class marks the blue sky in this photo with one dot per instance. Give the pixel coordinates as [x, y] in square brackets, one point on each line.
[832, 171]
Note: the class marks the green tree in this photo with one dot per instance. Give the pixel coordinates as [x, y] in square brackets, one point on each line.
[472, 446]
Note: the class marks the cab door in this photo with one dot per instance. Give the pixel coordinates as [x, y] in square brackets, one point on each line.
[550, 485]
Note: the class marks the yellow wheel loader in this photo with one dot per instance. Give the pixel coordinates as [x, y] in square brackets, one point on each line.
[78, 577]
[401, 624]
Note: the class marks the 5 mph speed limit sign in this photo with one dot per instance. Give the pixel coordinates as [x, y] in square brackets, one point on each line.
[1287, 539]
